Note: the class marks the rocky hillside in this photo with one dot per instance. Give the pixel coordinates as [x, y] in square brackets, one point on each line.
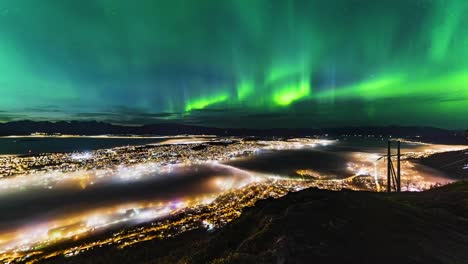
[317, 226]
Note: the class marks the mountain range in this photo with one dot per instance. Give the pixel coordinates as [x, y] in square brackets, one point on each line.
[89, 128]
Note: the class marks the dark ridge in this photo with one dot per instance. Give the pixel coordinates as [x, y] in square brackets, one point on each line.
[453, 163]
[427, 134]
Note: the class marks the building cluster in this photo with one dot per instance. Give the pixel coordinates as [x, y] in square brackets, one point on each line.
[108, 158]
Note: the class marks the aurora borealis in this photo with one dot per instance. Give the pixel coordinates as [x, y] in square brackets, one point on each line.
[236, 63]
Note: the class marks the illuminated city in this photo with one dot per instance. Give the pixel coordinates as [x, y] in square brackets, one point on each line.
[221, 201]
[234, 131]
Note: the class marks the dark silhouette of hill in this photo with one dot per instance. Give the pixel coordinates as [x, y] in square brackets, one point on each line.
[453, 163]
[427, 134]
[318, 226]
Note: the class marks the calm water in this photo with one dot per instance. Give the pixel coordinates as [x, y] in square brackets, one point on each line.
[47, 145]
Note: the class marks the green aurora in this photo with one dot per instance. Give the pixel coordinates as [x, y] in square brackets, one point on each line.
[236, 63]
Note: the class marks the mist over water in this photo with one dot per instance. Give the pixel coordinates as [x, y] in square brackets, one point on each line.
[42, 204]
[283, 163]
[39, 204]
[133, 185]
[330, 159]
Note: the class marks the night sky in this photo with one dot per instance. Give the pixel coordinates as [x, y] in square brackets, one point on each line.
[236, 63]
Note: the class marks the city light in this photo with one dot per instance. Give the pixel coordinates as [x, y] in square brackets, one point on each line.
[160, 219]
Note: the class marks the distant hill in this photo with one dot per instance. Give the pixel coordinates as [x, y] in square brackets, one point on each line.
[453, 163]
[318, 226]
[100, 128]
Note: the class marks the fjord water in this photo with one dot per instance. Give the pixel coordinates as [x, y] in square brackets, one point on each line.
[36, 145]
